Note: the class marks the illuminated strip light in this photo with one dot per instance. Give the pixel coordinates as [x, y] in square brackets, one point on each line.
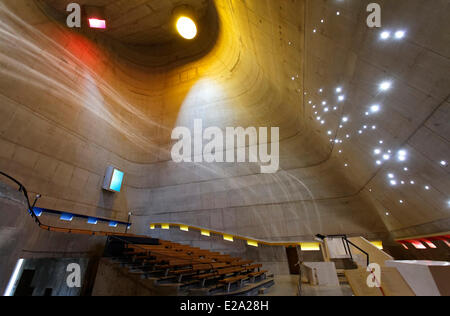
[446, 242]
[14, 278]
[165, 226]
[92, 221]
[184, 228]
[113, 224]
[404, 246]
[252, 243]
[152, 227]
[206, 233]
[310, 246]
[418, 244]
[66, 217]
[429, 244]
[228, 238]
[378, 244]
[95, 23]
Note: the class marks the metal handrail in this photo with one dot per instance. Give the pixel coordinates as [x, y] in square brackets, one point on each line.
[347, 244]
[54, 228]
[25, 193]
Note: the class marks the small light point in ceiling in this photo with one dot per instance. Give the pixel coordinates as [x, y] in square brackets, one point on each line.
[402, 154]
[400, 34]
[385, 35]
[385, 85]
[375, 108]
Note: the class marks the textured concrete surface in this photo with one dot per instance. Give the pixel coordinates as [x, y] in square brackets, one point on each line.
[21, 238]
[112, 280]
[52, 274]
[72, 102]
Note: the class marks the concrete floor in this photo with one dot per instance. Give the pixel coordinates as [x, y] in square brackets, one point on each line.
[343, 290]
[286, 285]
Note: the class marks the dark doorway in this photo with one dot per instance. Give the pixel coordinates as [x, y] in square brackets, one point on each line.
[292, 257]
[24, 287]
[48, 292]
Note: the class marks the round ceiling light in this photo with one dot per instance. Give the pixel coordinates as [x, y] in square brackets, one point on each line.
[186, 27]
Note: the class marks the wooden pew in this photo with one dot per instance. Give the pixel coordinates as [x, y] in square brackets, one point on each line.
[230, 281]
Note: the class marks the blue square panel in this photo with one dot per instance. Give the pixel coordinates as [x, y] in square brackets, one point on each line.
[92, 221]
[66, 217]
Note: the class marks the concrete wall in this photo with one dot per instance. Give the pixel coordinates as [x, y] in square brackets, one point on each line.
[52, 274]
[21, 238]
[73, 102]
[111, 280]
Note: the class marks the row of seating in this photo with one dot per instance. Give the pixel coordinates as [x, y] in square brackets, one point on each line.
[190, 267]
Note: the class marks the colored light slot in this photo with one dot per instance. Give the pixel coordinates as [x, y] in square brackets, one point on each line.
[378, 244]
[252, 243]
[66, 217]
[404, 246]
[116, 181]
[165, 226]
[152, 227]
[92, 221]
[447, 243]
[429, 244]
[310, 246]
[418, 244]
[38, 212]
[95, 23]
[184, 228]
[113, 224]
[14, 278]
[206, 233]
[228, 238]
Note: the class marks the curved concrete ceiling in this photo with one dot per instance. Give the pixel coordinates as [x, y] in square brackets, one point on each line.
[72, 103]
